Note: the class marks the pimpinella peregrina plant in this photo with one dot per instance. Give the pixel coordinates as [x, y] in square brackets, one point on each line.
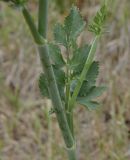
[70, 79]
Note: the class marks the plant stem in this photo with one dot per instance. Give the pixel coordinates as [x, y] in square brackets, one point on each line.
[69, 113]
[43, 17]
[84, 71]
[67, 88]
[54, 93]
[67, 82]
[38, 39]
[72, 153]
[79, 84]
[52, 87]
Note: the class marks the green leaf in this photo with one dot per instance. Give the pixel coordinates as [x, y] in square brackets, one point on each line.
[56, 56]
[93, 73]
[90, 80]
[60, 79]
[74, 24]
[79, 58]
[60, 35]
[88, 100]
[89, 91]
[60, 75]
[43, 85]
[95, 92]
[91, 105]
[85, 88]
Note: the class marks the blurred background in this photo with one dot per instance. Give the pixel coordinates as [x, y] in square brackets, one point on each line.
[26, 129]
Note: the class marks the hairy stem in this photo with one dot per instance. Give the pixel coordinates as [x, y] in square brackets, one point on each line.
[43, 17]
[55, 97]
[53, 89]
[38, 39]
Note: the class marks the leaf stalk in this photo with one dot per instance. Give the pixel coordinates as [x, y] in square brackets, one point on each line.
[84, 71]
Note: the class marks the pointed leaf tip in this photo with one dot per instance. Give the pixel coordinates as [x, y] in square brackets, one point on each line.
[74, 24]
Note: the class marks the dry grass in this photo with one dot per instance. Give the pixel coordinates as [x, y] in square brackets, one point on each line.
[26, 130]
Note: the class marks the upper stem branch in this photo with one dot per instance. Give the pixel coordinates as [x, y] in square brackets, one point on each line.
[84, 71]
[43, 17]
[38, 39]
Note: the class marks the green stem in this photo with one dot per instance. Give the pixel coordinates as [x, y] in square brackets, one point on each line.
[43, 17]
[67, 81]
[53, 89]
[84, 71]
[69, 113]
[67, 88]
[38, 39]
[55, 97]
[72, 153]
